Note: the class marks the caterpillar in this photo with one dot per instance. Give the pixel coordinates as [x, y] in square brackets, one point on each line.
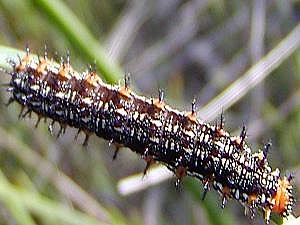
[152, 129]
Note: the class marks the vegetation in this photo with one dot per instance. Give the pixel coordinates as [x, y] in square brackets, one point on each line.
[240, 57]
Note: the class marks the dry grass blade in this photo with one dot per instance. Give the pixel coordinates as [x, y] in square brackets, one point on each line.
[252, 77]
[62, 182]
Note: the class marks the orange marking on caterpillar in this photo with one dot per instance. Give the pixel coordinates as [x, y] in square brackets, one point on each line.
[282, 197]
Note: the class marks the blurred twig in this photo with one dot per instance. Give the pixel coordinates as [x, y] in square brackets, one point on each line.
[177, 37]
[137, 182]
[126, 28]
[252, 77]
[257, 37]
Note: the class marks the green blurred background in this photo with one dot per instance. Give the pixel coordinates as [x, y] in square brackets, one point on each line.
[190, 49]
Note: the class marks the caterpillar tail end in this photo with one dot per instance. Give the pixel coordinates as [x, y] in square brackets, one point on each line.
[282, 200]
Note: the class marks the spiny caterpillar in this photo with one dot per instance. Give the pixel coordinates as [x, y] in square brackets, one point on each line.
[151, 128]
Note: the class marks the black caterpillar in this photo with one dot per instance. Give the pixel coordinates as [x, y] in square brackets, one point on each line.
[149, 127]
